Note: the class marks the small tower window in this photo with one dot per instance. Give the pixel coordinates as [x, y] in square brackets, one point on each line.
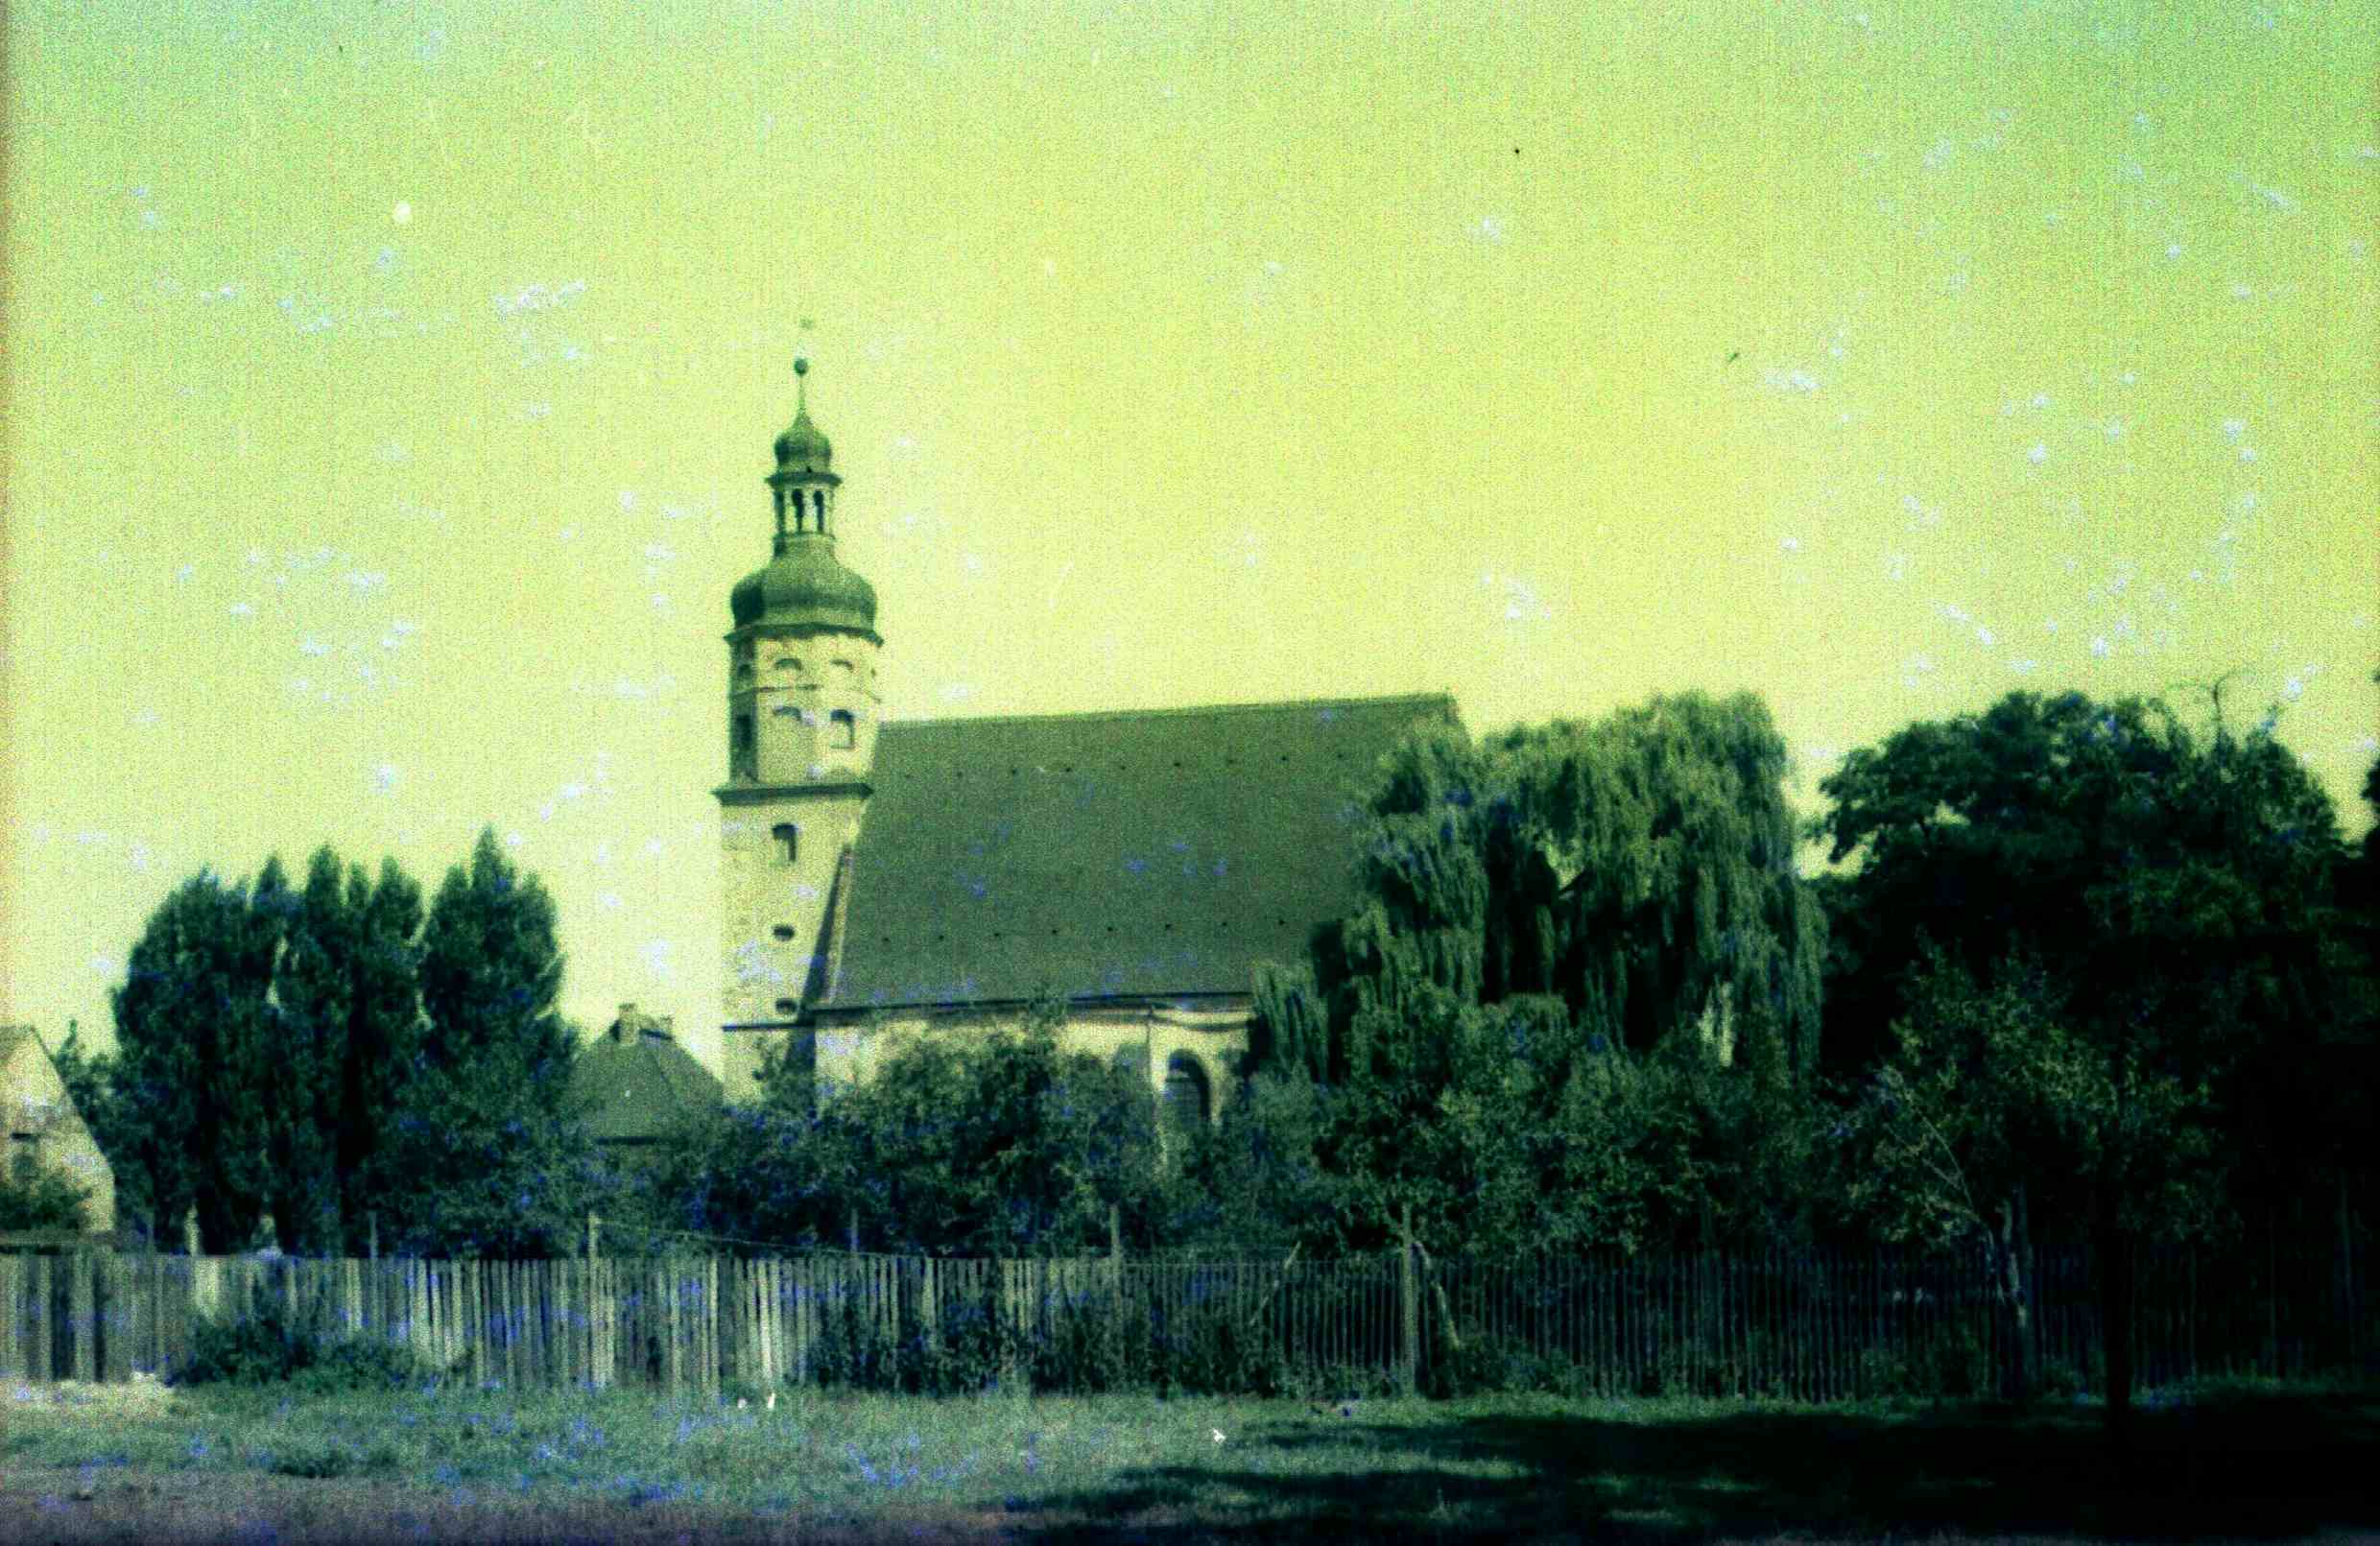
[740, 748]
[844, 728]
[786, 665]
[845, 673]
[788, 840]
[742, 671]
[784, 933]
[786, 1006]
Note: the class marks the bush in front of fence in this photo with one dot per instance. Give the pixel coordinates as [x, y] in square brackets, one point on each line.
[1948, 1364]
[270, 1349]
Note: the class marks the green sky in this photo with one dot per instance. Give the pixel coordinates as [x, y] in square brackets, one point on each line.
[389, 388]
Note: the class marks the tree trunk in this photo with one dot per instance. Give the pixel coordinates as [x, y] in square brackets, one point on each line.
[2017, 1314]
[2115, 1319]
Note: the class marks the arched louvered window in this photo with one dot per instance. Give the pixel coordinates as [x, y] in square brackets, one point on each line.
[844, 728]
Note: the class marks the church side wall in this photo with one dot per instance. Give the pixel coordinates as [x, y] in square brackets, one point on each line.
[852, 1055]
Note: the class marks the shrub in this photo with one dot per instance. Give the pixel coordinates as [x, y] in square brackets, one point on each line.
[269, 1348]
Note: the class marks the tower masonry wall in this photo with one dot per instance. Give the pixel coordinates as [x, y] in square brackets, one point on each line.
[763, 975]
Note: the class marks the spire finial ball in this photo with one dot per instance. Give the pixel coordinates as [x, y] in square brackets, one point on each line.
[801, 367]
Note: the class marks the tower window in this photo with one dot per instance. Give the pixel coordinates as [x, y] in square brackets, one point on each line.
[742, 671]
[844, 672]
[786, 664]
[740, 748]
[845, 728]
[786, 1006]
[788, 840]
[784, 932]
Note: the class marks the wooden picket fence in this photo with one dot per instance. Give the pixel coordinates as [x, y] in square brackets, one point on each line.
[1813, 1325]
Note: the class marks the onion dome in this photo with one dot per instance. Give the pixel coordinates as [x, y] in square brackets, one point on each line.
[806, 584]
[801, 448]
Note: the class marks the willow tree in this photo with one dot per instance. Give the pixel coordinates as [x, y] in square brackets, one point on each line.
[1638, 868]
[1547, 894]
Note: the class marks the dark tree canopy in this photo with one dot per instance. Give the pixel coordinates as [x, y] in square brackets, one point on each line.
[2174, 886]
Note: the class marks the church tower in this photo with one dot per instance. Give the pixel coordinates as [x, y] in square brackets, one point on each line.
[802, 736]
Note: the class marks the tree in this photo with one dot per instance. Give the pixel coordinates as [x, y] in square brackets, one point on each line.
[194, 1067]
[313, 989]
[33, 1196]
[486, 1155]
[1003, 1146]
[383, 1039]
[2172, 889]
[1620, 885]
[1007, 1146]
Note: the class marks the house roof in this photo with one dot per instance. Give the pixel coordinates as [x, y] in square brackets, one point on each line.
[637, 1081]
[13, 1036]
[1121, 855]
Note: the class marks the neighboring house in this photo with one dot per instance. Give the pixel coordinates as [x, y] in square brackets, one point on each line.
[41, 1121]
[638, 1083]
[887, 880]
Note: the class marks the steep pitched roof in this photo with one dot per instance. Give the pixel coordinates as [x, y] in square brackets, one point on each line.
[637, 1081]
[1105, 855]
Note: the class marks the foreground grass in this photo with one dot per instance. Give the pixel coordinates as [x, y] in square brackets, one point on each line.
[2239, 1464]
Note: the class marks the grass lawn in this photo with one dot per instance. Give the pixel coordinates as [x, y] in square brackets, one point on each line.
[485, 1466]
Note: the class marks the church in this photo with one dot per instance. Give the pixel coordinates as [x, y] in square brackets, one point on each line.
[885, 881]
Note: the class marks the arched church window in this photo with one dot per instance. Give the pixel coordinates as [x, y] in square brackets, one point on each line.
[1185, 1090]
[788, 840]
[846, 728]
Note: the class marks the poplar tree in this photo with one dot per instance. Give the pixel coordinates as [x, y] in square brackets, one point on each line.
[485, 1155]
[384, 1037]
[314, 992]
[193, 1037]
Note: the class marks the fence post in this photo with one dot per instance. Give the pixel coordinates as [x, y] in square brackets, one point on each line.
[1409, 1304]
[1115, 1280]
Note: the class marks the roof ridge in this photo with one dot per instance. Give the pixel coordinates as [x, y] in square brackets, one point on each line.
[1274, 706]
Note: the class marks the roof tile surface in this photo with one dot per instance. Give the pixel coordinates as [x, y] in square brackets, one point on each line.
[1107, 855]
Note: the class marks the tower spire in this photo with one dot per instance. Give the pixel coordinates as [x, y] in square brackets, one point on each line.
[801, 386]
